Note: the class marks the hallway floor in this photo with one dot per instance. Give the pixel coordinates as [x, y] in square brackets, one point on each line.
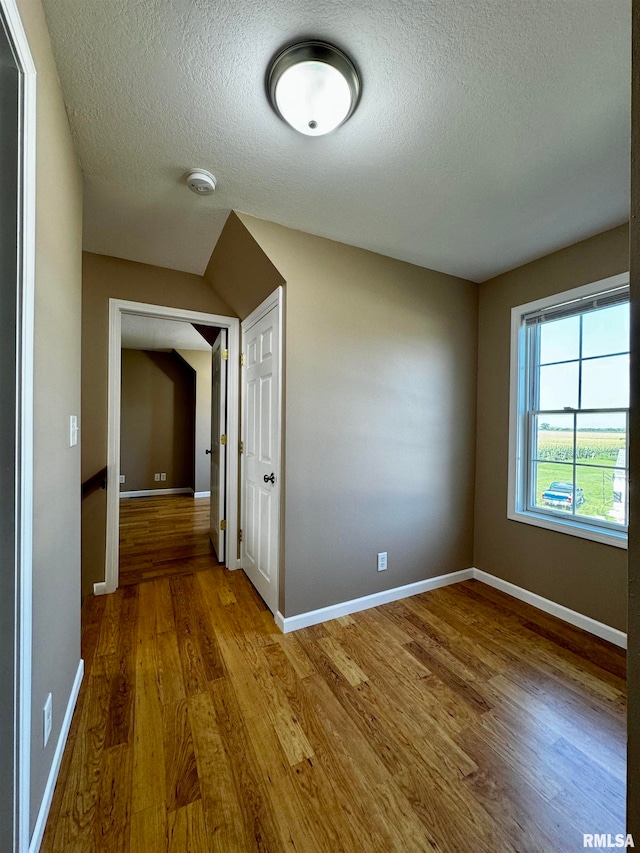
[163, 536]
[459, 720]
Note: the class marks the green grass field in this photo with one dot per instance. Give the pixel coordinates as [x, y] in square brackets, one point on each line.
[596, 452]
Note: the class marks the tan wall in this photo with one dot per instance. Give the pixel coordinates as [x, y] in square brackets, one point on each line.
[104, 278]
[157, 421]
[200, 361]
[583, 575]
[380, 418]
[56, 510]
[239, 270]
[633, 656]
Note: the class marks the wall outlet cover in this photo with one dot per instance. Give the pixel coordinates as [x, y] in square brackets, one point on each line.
[122, 478]
[382, 561]
[163, 477]
[156, 477]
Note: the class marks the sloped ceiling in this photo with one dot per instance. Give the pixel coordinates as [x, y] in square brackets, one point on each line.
[489, 132]
[155, 333]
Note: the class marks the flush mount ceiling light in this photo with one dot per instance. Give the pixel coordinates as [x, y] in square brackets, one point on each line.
[313, 86]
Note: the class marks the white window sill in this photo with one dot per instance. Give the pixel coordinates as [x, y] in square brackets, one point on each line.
[584, 531]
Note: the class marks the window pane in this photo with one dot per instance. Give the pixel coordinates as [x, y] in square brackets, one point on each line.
[595, 493]
[560, 340]
[601, 440]
[553, 486]
[553, 438]
[559, 386]
[605, 331]
[605, 383]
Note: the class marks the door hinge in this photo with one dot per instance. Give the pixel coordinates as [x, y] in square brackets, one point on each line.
[225, 354]
[242, 447]
[242, 359]
[223, 439]
[223, 525]
[240, 536]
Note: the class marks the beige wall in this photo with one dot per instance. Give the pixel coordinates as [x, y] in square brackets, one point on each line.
[56, 511]
[104, 278]
[380, 417]
[200, 361]
[157, 420]
[239, 270]
[582, 575]
[633, 656]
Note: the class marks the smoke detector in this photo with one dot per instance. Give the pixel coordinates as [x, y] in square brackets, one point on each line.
[201, 182]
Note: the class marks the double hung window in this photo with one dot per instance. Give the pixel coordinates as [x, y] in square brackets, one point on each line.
[569, 465]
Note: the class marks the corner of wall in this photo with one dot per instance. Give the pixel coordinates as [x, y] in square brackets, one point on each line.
[239, 270]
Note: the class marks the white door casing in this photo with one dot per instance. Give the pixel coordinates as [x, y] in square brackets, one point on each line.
[218, 448]
[18, 233]
[261, 430]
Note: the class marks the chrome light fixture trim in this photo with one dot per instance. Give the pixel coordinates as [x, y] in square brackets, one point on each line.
[307, 54]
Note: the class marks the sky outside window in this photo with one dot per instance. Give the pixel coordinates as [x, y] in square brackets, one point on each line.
[603, 382]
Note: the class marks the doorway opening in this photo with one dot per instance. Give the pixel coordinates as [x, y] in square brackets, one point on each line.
[183, 463]
[169, 518]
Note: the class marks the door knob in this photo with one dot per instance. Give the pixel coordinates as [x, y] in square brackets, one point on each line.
[207, 452]
[270, 479]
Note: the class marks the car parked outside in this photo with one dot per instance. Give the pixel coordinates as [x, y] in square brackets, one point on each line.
[560, 495]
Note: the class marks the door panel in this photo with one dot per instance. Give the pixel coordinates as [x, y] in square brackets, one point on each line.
[261, 461]
[218, 450]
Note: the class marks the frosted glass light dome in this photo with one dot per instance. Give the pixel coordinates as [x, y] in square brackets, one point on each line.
[313, 86]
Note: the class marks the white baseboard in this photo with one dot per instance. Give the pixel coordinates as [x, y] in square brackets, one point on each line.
[150, 493]
[43, 813]
[605, 632]
[202, 494]
[344, 608]
[100, 588]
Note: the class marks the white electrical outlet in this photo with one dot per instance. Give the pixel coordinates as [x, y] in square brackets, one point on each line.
[382, 561]
[73, 430]
[163, 476]
[156, 477]
[122, 480]
[47, 718]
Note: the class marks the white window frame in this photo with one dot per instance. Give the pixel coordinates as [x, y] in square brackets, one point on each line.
[516, 501]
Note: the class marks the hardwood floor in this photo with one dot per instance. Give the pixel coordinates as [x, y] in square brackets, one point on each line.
[163, 536]
[458, 720]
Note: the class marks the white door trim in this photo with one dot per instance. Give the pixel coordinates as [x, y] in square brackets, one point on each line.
[258, 313]
[10, 18]
[118, 307]
[275, 299]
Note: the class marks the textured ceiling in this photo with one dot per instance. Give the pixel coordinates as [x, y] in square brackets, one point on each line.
[153, 333]
[489, 132]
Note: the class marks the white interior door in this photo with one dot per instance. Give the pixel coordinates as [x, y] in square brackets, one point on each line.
[261, 459]
[219, 445]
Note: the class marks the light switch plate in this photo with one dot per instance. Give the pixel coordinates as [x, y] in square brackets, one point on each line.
[47, 714]
[73, 430]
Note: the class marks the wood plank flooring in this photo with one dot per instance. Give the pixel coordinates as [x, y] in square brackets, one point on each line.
[457, 720]
[163, 536]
